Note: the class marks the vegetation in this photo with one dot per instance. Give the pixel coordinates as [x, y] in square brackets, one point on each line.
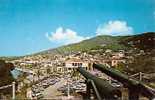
[10, 58]
[108, 42]
[143, 63]
[145, 41]
[99, 42]
[6, 76]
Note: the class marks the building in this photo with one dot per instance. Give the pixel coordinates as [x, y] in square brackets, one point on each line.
[115, 62]
[73, 63]
[60, 69]
[29, 93]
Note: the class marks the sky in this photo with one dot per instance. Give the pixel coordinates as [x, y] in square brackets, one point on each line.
[30, 26]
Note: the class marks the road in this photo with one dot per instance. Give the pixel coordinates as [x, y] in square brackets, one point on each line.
[51, 92]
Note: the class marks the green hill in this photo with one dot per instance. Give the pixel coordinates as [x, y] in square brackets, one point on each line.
[104, 42]
[108, 42]
[145, 41]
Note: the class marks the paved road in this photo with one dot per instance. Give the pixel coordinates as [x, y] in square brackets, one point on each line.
[51, 92]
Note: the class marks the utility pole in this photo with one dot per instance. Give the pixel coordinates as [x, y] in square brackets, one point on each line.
[13, 90]
[68, 91]
[140, 76]
[68, 88]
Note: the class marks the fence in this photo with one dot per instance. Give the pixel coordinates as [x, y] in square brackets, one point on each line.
[13, 89]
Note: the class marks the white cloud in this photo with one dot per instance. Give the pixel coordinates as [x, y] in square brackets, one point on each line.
[114, 28]
[65, 36]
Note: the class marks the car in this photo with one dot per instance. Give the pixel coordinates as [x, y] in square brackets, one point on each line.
[40, 96]
[115, 85]
[61, 89]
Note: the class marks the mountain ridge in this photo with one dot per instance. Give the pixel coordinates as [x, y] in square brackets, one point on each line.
[107, 42]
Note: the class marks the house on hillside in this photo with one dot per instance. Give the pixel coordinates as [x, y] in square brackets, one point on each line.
[115, 61]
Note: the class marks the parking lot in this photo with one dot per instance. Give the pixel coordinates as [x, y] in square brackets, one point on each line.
[73, 87]
[57, 87]
[52, 92]
[39, 88]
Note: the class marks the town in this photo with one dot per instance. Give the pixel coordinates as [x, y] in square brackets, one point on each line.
[47, 76]
[77, 49]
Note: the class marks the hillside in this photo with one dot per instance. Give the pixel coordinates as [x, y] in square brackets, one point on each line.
[145, 41]
[104, 42]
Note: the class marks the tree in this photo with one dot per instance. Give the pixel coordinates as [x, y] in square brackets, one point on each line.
[6, 76]
[142, 63]
[121, 67]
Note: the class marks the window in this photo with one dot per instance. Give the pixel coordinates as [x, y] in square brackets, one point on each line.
[80, 64]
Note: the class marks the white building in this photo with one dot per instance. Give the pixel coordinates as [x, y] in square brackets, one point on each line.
[29, 93]
[73, 63]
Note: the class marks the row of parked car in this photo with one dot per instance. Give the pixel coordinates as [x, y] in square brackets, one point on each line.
[73, 87]
[38, 88]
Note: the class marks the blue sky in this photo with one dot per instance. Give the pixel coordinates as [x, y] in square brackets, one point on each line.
[28, 26]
